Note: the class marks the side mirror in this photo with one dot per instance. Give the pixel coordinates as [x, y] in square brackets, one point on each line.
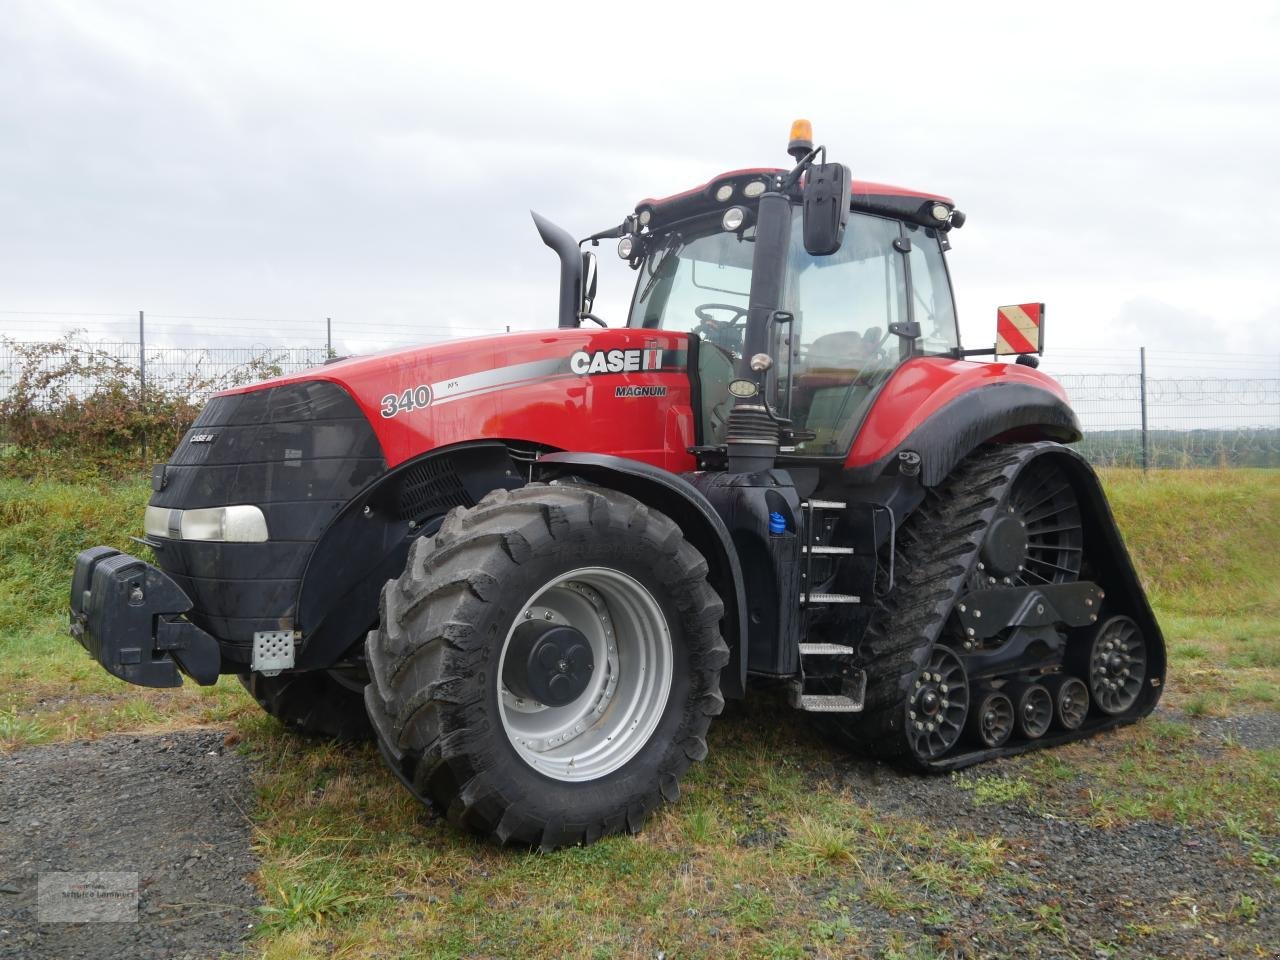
[1020, 329]
[589, 281]
[826, 207]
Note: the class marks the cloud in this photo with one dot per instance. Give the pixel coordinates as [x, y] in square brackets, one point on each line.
[292, 161]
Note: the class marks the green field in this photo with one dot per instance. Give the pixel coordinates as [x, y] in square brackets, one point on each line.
[780, 846]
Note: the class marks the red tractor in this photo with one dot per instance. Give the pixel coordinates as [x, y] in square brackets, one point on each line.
[534, 565]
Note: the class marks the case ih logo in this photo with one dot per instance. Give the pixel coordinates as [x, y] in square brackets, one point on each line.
[615, 361]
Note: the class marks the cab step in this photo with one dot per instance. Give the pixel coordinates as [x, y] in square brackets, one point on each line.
[827, 703]
[812, 598]
[850, 699]
[825, 650]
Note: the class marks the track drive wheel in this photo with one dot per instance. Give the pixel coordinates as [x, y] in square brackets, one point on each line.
[939, 705]
[548, 664]
[317, 703]
[1117, 665]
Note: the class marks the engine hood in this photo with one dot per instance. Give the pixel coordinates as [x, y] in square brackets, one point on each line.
[611, 390]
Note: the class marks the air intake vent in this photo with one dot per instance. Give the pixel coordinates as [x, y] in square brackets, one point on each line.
[432, 487]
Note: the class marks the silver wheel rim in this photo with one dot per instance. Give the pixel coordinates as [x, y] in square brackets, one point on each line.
[614, 717]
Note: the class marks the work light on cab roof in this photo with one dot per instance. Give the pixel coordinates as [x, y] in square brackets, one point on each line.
[532, 566]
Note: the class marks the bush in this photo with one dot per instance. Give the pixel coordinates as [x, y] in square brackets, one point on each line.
[71, 409]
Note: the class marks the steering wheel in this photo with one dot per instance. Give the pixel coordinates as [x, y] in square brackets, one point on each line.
[719, 333]
[703, 314]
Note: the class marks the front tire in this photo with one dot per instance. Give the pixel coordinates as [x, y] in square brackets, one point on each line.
[547, 666]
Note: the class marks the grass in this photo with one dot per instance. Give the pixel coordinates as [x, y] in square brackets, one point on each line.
[49, 687]
[1204, 543]
[770, 852]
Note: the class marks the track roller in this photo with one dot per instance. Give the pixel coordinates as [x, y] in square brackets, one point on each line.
[991, 718]
[1070, 703]
[1033, 710]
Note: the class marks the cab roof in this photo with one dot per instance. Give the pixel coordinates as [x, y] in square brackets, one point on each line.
[878, 198]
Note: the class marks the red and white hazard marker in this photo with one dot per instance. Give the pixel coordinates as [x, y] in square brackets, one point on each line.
[1020, 328]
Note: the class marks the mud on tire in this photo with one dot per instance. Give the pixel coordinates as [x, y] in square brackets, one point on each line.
[435, 693]
[313, 703]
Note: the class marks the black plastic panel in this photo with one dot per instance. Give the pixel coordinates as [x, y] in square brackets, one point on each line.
[301, 452]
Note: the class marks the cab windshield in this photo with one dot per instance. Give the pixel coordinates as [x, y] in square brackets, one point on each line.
[830, 359]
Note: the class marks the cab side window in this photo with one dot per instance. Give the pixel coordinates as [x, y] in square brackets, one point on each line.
[931, 292]
[842, 347]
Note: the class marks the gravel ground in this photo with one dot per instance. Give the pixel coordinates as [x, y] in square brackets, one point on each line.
[1075, 886]
[1257, 731]
[171, 808]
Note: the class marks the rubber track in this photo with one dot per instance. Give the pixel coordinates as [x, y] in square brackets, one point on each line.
[437, 643]
[937, 548]
[312, 703]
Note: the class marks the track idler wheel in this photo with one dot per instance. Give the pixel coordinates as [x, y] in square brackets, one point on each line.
[1071, 703]
[1033, 710]
[991, 719]
[938, 705]
[1117, 665]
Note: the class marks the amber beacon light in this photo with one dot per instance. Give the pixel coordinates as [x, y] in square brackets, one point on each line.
[801, 141]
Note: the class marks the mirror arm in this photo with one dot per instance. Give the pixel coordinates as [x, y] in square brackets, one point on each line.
[613, 233]
[794, 176]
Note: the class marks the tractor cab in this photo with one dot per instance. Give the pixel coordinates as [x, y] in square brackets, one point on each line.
[846, 321]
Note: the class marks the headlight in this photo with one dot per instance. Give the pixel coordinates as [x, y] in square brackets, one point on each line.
[940, 211]
[732, 218]
[626, 246]
[753, 189]
[724, 192]
[242, 523]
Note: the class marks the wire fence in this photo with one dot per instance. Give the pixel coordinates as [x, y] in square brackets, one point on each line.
[1129, 418]
[1189, 421]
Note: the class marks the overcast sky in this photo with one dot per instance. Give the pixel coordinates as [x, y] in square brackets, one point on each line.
[277, 163]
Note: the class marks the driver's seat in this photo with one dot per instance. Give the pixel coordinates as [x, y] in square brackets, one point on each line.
[833, 362]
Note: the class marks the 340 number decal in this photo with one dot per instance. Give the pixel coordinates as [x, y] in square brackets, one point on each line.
[410, 399]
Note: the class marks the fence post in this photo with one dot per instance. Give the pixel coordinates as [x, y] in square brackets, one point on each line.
[142, 380]
[328, 338]
[1142, 393]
